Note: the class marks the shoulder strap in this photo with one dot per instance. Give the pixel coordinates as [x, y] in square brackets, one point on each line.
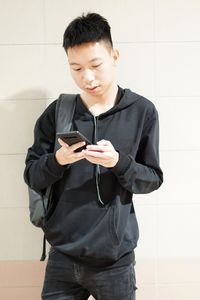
[65, 108]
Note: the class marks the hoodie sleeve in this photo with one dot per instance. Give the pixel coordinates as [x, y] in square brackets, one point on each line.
[142, 174]
[42, 169]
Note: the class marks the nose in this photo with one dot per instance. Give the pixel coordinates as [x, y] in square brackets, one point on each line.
[88, 76]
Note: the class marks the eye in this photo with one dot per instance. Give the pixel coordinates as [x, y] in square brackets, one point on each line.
[76, 70]
[96, 66]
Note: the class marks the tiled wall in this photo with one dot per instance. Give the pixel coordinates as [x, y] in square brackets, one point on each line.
[159, 42]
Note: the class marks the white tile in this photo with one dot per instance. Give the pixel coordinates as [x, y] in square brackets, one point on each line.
[13, 188]
[18, 117]
[178, 270]
[177, 69]
[135, 69]
[136, 18]
[21, 21]
[57, 75]
[22, 72]
[179, 123]
[175, 292]
[31, 274]
[21, 293]
[20, 240]
[146, 216]
[177, 20]
[145, 269]
[146, 292]
[178, 231]
[145, 199]
[181, 178]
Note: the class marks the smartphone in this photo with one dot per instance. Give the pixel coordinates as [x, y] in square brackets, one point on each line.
[73, 137]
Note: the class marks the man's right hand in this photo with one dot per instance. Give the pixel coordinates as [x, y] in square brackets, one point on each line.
[66, 155]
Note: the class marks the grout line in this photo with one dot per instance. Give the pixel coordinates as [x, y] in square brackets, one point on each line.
[179, 96]
[115, 42]
[161, 204]
[179, 150]
[20, 287]
[13, 154]
[35, 44]
[18, 207]
[29, 99]
[44, 20]
[173, 284]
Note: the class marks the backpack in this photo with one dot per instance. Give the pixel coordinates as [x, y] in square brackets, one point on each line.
[39, 203]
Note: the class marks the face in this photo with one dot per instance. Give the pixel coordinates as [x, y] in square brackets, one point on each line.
[92, 67]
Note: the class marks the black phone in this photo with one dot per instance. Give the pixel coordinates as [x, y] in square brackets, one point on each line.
[73, 137]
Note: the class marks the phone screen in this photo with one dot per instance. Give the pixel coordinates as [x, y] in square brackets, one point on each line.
[73, 137]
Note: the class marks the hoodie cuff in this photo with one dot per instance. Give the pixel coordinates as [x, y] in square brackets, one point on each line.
[122, 164]
[54, 167]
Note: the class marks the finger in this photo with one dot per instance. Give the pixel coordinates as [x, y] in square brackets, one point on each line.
[98, 148]
[76, 146]
[97, 154]
[62, 143]
[104, 143]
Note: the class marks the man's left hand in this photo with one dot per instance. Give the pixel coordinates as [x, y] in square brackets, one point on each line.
[103, 153]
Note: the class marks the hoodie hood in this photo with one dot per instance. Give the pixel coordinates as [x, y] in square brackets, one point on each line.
[125, 98]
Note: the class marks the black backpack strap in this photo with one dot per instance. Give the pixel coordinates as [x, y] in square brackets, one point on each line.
[44, 251]
[65, 108]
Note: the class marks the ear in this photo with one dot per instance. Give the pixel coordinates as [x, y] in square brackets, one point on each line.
[115, 56]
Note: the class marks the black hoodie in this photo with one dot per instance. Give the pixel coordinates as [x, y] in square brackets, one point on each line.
[77, 224]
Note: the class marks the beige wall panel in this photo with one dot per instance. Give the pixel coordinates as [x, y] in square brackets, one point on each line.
[145, 271]
[145, 199]
[178, 229]
[57, 75]
[181, 179]
[22, 72]
[131, 20]
[20, 240]
[20, 293]
[18, 117]
[181, 132]
[135, 69]
[21, 22]
[13, 189]
[146, 292]
[146, 216]
[182, 291]
[177, 69]
[21, 273]
[178, 270]
[177, 20]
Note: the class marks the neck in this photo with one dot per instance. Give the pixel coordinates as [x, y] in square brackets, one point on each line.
[101, 103]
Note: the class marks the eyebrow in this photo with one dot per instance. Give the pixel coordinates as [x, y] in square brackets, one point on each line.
[92, 60]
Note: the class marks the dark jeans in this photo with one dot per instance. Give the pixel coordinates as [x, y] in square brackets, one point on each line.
[66, 280]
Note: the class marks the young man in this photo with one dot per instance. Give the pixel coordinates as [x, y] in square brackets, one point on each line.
[93, 229]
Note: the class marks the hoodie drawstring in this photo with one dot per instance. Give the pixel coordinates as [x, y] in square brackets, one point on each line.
[97, 167]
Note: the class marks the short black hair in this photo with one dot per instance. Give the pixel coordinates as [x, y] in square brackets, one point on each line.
[91, 27]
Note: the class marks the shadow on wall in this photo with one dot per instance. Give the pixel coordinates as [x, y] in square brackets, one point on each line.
[28, 94]
[18, 114]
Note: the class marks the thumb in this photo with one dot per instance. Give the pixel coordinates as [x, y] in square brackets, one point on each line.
[103, 143]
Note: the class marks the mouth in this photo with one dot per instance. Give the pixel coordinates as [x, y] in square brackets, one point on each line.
[92, 89]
